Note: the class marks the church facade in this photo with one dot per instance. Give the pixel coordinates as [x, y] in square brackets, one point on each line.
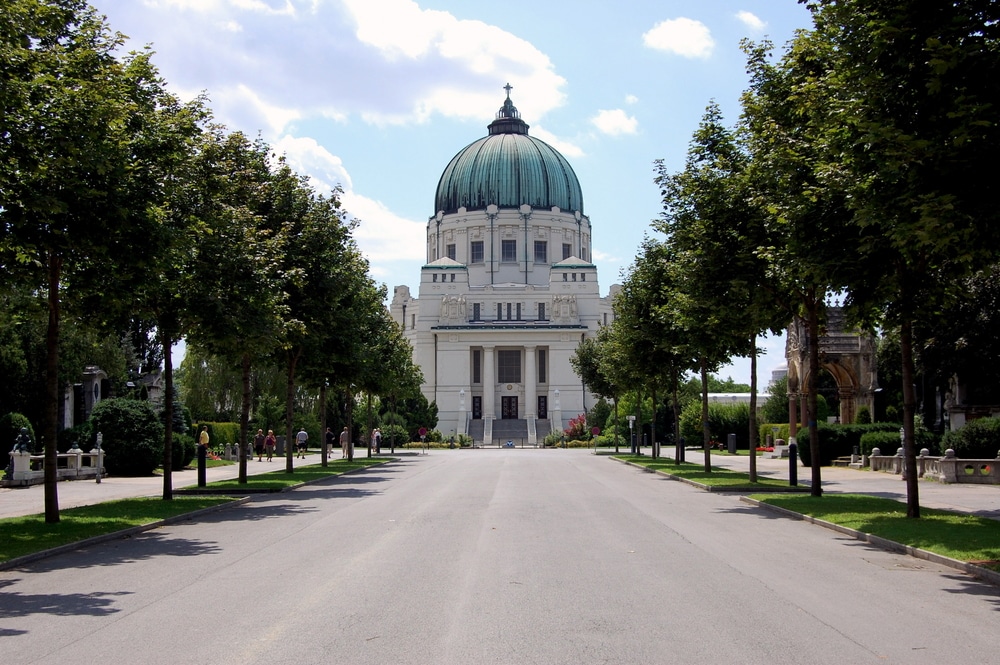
[508, 291]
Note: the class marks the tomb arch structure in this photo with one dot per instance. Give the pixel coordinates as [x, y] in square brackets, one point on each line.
[847, 354]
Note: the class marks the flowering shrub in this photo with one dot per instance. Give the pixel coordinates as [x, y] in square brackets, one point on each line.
[577, 428]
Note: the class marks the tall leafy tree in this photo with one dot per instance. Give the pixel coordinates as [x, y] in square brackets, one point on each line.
[704, 208]
[236, 302]
[322, 275]
[910, 132]
[77, 179]
[811, 246]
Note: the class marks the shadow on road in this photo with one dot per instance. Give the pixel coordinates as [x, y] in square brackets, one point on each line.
[58, 604]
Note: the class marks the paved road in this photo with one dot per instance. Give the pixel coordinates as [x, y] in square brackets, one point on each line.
[497, 556]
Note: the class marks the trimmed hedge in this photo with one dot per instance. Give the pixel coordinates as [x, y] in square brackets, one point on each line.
[977, 439]
[182, 451]
[839, 441]
[219, 434]
[887, 442]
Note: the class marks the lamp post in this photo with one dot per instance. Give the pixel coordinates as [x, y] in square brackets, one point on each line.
[631, 434]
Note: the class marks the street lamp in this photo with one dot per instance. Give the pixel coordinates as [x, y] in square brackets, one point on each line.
[631, 434]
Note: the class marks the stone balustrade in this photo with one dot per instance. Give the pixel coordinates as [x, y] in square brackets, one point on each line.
[29, 469]
[945, 469]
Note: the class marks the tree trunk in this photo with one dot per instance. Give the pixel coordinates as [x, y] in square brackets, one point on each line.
[616, 426]
[244, 419]
[652, 426]
[369, 424]
[706, 433]
[637, 442]
[293, 359]
[817, 481]
[350, 426]
[678, 446]
[166, 339]
[52, 393]
[753, 409]
[909, 414]
[322, 423]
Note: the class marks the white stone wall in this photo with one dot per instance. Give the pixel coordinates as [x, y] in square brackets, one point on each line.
[441, 323]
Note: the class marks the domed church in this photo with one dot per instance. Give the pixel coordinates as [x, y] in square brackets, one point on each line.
[508, 291]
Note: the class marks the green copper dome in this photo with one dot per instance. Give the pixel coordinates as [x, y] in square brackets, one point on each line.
[508, 168]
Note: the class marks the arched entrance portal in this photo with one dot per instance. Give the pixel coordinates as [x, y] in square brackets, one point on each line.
[848, 355]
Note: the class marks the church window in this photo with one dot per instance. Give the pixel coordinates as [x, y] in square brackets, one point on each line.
[476, 251]
[477, 365]
[518, 311]
[541, 311]
[508, 366]
[508, 311]
[508, 251]
[434, 277]
[565, 277]
[475, 311]
[574, 277]
[450, 251]
[541, 251]
[499, 311]
[567, 250]
[452, 277]
[583, 277]
[542, 373]
[583, 253]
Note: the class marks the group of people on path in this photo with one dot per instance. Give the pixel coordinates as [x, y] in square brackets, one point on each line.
[264, 444]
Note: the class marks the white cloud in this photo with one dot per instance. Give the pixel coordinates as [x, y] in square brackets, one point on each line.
[387, 62]
[615, 122]
[383, 236]
[477, 54]
[604, 257]
[565, 147]
[308, 157]
[681, 36]
[631, 99]
[751, 21]
[275, 7]
[246, 102]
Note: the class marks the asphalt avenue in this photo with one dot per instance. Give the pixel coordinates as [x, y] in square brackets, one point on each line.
[494, 556]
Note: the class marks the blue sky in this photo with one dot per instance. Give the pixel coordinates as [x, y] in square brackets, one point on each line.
[376, 96]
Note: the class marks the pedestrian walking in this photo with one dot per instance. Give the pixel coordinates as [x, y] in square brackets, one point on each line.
[258, 444]
[330, 440]
[269, 443]
[345, 441]
[300, 442]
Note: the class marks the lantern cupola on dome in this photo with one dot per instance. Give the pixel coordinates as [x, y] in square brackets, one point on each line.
[508, 168]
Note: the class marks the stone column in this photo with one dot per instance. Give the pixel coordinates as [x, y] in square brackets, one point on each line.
[463, 419]
[793, 417]
[489, 384]
[847, 406]
[530, 382]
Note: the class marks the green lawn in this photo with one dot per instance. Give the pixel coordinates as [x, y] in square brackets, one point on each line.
[26, 535]
[719, 477]
[964, 537]
[279, 479]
